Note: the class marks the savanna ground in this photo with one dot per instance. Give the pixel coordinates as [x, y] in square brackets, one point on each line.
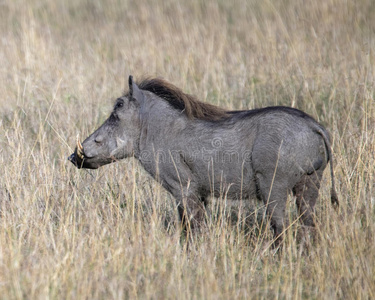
[112, 232]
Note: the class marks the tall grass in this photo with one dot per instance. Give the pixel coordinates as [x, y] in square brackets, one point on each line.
[113, 232]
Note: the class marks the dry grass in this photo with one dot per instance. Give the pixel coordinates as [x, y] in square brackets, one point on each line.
[111, 233]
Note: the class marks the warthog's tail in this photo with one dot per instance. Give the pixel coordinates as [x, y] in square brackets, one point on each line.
[334, 198]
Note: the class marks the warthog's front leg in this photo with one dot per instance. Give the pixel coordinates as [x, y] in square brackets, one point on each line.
[192, 214]
[190, 205]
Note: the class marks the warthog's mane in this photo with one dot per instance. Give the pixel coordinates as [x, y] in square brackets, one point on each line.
[188, 104]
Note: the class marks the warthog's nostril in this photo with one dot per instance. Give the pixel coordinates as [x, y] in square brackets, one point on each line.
[72, 158]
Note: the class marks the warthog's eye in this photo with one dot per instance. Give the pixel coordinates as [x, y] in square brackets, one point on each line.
[119, 104]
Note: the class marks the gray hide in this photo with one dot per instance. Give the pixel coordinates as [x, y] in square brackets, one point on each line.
[265, 153]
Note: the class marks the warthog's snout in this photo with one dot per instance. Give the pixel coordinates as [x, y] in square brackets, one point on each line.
[78, 159]
[74, 159]
[87, 156]
[78, 156]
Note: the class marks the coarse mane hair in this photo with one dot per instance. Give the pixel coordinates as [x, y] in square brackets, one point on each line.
[190, 105]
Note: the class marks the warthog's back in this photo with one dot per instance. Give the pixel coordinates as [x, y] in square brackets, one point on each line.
[230, 152]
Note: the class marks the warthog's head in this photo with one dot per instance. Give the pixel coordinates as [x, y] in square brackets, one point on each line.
[117, 138]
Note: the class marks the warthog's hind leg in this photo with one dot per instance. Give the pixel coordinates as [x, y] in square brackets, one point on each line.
[274, 197]
[307, 192]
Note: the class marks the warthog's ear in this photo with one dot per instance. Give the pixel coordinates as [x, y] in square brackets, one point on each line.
[134, 92]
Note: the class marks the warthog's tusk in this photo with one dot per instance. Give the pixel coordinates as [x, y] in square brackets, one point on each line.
[79, 148]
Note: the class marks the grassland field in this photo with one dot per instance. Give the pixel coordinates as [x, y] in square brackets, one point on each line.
[113, 233]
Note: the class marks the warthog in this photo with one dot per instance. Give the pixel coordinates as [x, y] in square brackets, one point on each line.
[196, 150]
